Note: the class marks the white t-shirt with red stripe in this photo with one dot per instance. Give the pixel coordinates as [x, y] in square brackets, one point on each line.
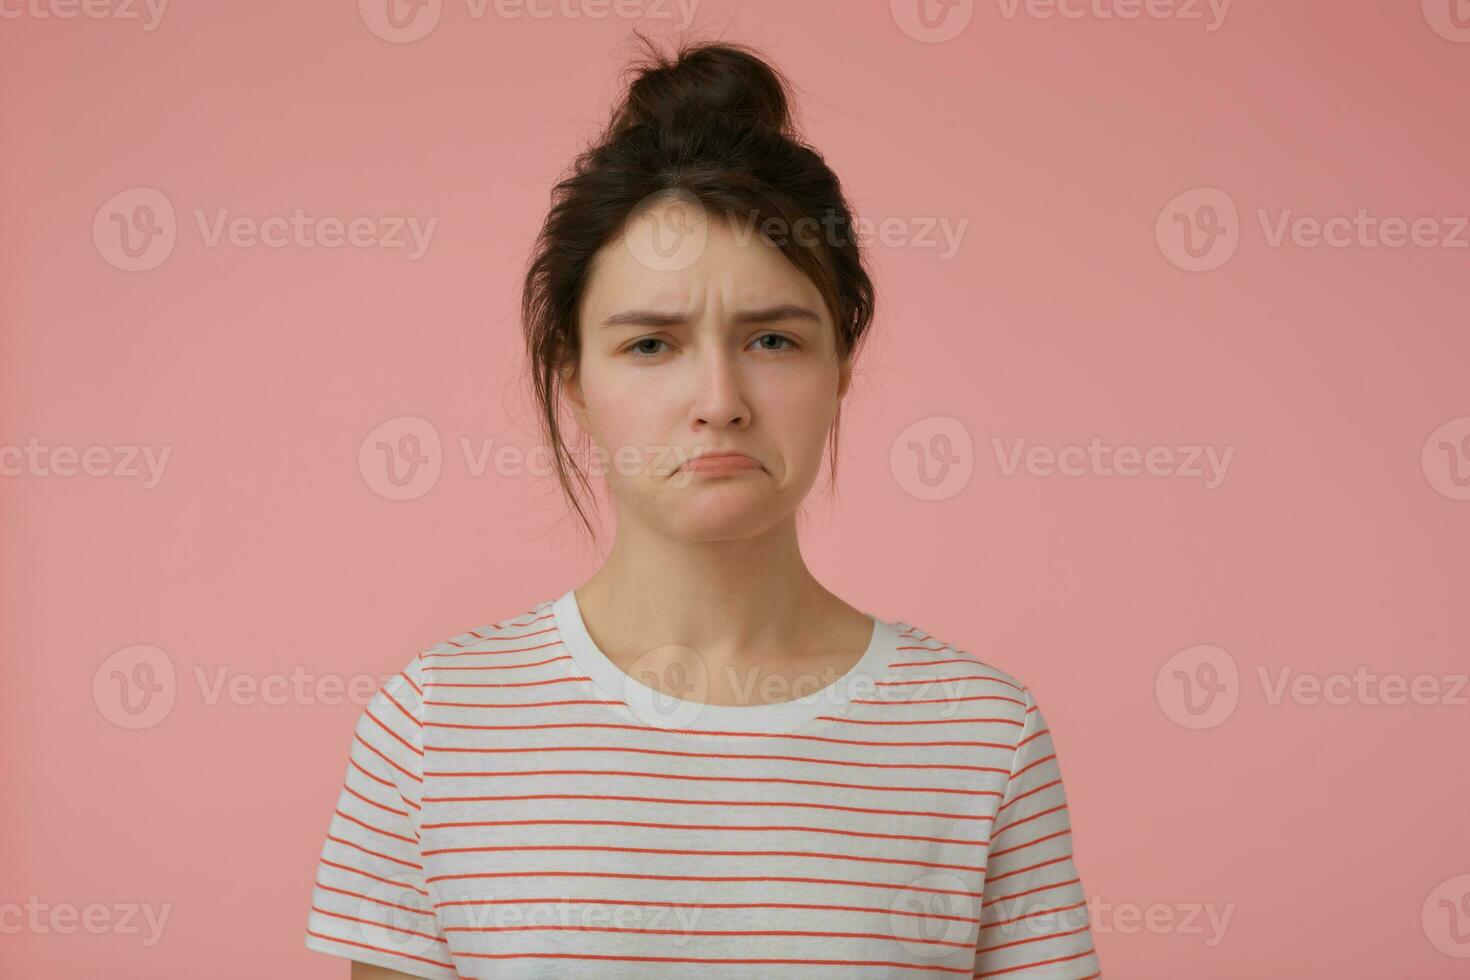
[518, 806]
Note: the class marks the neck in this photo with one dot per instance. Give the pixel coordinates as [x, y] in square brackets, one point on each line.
[738, 599]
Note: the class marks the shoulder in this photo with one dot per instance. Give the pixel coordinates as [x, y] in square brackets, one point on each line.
[535, 624]
[528, 631]
[923, 659]
[406, 690]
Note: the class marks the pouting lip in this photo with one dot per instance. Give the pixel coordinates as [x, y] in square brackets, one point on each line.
[720, 455]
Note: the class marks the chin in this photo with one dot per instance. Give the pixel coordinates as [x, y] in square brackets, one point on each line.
[719, 517]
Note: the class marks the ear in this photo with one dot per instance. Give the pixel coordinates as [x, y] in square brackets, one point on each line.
[844, 377]
[572, 391]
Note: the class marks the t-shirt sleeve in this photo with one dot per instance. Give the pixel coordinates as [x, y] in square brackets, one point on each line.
[1034, 922]
[370, 901]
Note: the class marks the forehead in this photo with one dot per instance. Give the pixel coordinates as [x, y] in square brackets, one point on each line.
[675, 254]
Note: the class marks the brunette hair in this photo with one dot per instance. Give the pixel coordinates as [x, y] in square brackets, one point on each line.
[713, 123]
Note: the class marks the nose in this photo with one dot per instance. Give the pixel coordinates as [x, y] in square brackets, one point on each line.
[719, 400]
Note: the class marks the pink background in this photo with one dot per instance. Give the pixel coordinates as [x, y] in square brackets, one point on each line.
[1322, 830]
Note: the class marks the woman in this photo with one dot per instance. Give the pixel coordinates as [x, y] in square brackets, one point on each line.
[700, 761]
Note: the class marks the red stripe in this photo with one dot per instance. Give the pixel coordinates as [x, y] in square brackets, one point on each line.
[377, 830]
[1030, 792]
[657, 799]
[698, 959]
[380, 806]
[817, 855]
[652, 877]
[947, 680]
[714, 932]
[704, 827]
[1031, 915]
[368, 713]
[677, 732]
[921, 721]
[1025, 820]
[380, 925]
[1030, 891]
[375, 751]
[1033, 964]
[972, 697]
[358, 871]
[379, 949]
[521, 749]
[368, 898]
[1031, 867]
[493, 653]
[559, 899]
[406, 713]
[1030, 843]
[534, 663]
[635, 773]
[377, 854]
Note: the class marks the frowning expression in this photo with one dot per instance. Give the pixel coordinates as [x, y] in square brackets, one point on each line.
[708, 374]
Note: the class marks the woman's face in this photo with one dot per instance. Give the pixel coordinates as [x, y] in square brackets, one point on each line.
[702, 338]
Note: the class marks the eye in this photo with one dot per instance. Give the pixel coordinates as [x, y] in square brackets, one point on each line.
[634, 350]
[776, 336]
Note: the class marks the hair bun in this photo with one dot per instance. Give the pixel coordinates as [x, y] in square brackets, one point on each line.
[726, 81]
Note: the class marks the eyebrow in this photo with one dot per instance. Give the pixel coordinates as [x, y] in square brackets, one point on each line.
[768, 314]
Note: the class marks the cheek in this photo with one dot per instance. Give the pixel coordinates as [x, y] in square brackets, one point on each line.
[623, 414]
[805, 399]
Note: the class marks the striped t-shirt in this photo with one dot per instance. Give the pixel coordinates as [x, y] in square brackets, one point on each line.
[516, 806]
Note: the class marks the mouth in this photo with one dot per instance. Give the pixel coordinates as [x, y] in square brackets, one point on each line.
[719, 463]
